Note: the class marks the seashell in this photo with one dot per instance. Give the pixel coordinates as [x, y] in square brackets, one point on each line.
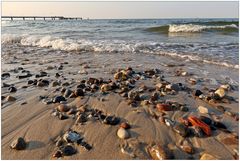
[71, 136]
[163, 107]
[207, 156]
[159, 153]
[220, 92]
[63, 108]
[105, 87]
[18, 144]
[10, 98]
[203, 109]
[125, 125]
[122, 133]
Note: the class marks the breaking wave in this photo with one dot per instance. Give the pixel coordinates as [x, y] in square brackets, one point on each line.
[113, 46]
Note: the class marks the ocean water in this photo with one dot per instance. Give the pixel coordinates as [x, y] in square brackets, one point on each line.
[213, 41]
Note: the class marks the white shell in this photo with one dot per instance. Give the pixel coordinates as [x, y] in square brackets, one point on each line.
[122, 133]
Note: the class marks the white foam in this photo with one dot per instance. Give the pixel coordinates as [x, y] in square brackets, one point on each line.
[196, 28]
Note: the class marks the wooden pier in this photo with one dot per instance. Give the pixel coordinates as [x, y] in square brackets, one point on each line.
[41, 18]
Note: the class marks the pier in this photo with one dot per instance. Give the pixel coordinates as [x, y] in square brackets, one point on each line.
[41, 18]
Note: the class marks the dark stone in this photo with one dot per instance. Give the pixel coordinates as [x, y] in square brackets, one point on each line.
[5, 75]
[57, 154]
[221, 108]
[219, 125]
[3, 97]
[198, 93]
[24, 76]
[79, 92]
[30, 82]
[82, 85]
[67, 93]
[57, 75]
[206, 120]
[181, 129]
[6, 85]
[68, 150]
[18, 144]
[62, 116]
[12, 89]
[111, 120]
[58, 99]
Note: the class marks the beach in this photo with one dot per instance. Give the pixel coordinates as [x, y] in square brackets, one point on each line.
[166, 105]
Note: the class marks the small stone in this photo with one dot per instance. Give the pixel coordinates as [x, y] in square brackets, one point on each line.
[62, 116]
[67, 93]
[180, 129]
[203, 110]
[65, 84]
[134, 95]
[6, 85]
[207, 156]
[206, 120]
[71, 137]
[122, 133]
[187, 147]
[163, 107]
[125, 125]
[220, 92]
[159, 86]
[111, 120]
[158, 152]
[57, 154]
[18, 144]
[184, 109]
[63, 108]
[82, 72]
[105, 87]
[79, 92]
[219, 125]
[58, 99]
[6, 75]
[68, 150]
[198, 93]
[174, 87]
[10, 98]
[55, 83]
[12, 89]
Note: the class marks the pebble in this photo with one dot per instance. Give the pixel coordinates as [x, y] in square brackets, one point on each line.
[6, 85]
[63, 108]
[163, 107]
[105, 87]
[220, 92]
[219, 125]
[134, 95]
[125, 125]
[58, 99]
[198, 93]
[57, 154]
[206, 120]
[68, 150]
[10, 98]
[67, 93]
[5, 75]
[71, 136]
[55, 83]
[181, 129]
[19, 144]
[111, 120]
[203, 109]
[122, 133]
[12, 89]
[62, 116]
[159, 153]
[206, 156]
[79, 92]
[24, 76]
[197, 131]
[159, 86]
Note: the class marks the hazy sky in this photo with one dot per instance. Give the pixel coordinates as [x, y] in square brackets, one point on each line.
[124, 9]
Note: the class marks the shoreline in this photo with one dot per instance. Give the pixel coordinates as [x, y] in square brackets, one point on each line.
[31, 118]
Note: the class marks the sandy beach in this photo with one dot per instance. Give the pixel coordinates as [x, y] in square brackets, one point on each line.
[151, 98]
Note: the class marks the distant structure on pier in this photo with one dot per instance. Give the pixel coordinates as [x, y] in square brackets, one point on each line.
[41, 17]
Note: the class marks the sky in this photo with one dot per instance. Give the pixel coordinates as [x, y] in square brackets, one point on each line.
[115, 10]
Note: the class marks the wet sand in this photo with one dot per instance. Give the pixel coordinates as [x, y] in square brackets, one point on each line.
[30, 118]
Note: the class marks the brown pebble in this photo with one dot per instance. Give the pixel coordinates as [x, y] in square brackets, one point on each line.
[125, 125]
[57, 154]
[63, 108]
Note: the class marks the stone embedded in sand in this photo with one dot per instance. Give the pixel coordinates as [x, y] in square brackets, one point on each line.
[18, 144]
[125, 125]
[82, 72]
[55, 83]
[63, 108]
[134, 95]
[6, 75]
[6, 85]
[71, 136]
[122, 133]
[68, 150]
[220, 92]
[10, 98]
[12, 89]
[198, 93]
[163, 107]
[203, 109]
[181, 129]
[106, 87]
[174, 87]
[58, 99]
[158, 152]
[206, 156]
[111, 120]
[79, 92]
[67, 93]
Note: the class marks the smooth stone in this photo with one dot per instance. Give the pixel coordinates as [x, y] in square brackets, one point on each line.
[10, 98]
[203, 110]
[125, 125]
[24, 76]
[220, 92]
[206, 120]
[67, 93]
[122, 133]
[68, 150]
[79, 92]
[71, 137]
[55, 83]
[5, 75]
[62, 116]
[63, 108]
[198, 93]
[12, 89]
[157, 152]
[65, 84]
[207, 156]
[105, 87]
[58, 99]
[18, 144]
[181, 129]
[163, 107]
[219, 125]
[57, 154]
[111, 120]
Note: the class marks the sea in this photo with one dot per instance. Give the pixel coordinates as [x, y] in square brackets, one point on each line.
[211, 41]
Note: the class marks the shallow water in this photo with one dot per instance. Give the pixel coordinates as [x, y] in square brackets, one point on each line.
[212, 41]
